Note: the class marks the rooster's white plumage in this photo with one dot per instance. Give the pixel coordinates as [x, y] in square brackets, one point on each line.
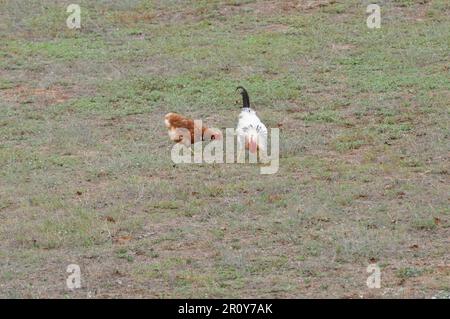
[250, 130]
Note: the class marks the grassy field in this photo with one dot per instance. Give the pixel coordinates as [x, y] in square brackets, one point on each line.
[85, 170]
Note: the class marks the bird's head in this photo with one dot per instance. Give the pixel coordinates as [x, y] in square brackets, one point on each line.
[212, 134]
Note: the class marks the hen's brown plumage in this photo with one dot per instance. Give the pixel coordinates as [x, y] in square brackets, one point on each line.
[175, 123]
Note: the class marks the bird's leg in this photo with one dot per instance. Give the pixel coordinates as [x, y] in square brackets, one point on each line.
[240, 148]
[239, 156]
[241, 152]
[188, 145]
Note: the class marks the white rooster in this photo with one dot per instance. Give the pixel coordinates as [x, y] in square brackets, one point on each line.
[250, 130]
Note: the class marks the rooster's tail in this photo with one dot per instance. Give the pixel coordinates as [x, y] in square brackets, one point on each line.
[245, 98]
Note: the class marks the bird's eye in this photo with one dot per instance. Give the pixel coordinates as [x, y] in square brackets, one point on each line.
[213, 137]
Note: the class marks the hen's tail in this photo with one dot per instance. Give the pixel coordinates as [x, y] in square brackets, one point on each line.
[245, 98]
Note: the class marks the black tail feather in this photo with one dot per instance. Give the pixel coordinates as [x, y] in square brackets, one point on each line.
[245, 97]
